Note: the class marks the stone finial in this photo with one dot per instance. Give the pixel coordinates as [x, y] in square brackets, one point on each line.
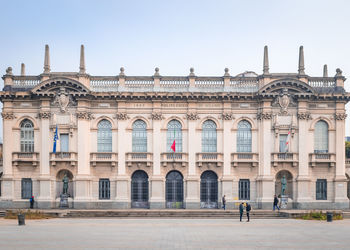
[325, 71]
[82, 60]
[339, 72]
[47, 59]
[266, 61]
[226, 72]
[23, 69]
[301, 68]
[192, 72]
[121, 71]
[156, 72]
[9, 71]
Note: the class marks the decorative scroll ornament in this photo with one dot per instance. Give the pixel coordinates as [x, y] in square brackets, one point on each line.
[44, 115]
[85, 115]
[8, 115]
[340, 116]
[192, 116]
[121, 116]
[156, 116]
[264, 116]
[226, 116]
[63, 99]
[304, 116]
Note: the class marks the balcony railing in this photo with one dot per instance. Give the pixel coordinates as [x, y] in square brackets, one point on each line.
[138, 158]
[169, 157]
[328, 158]
[284, 157]
[71, 157]
[210, 158]
[104, 157]
[27, 157]
[251, 158]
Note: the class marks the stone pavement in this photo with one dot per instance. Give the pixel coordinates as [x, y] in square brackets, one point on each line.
[112, 233]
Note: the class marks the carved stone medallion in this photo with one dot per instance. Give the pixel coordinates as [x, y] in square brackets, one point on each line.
[63, 99]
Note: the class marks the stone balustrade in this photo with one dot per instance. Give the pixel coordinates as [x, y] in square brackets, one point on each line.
[243, 157]
[170, 157]
[278, 157]
[209, 158]
[103, 157]
[138, 158]
[71, 157]
[31, 158]
[328, 158]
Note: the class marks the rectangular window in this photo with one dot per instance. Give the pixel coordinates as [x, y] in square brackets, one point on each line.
[321, 189]
[283, 140]
[26, 188]
[244, 189]
[104, 189]
[64, 142]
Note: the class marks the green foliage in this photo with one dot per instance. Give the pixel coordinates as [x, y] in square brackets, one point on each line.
[318, 215]
[347, 149]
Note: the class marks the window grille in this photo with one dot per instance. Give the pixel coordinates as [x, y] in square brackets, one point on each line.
[321, 189]
[139, 189]
[174, 133]
[27, 189]
[209, 189]
[174, 187]
[244, 137]
[27, 136]
[139, 136]
[104, 136]
[209, 138]
[104, 189]
[321, 137]
[244, 189]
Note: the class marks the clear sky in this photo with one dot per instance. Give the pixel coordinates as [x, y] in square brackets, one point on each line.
[176, 35]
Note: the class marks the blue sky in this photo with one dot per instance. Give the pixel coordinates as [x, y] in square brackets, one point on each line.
[175, 35]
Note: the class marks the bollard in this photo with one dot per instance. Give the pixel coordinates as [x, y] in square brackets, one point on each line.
[329, 216]
[21, 219]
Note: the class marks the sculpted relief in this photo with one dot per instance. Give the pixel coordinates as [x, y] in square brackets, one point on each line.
[63, 99]
[284, 101]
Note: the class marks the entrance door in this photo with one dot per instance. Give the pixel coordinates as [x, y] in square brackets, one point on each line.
[209, 190]
[139, 190]
[174, 190]
[64, 142]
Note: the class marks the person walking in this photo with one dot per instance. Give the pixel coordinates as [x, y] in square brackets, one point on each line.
[275, 203]
[248, 208]
[31, 200]
[241, 209]
[224, 202]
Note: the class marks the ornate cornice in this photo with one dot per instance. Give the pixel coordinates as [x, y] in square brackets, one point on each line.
[304, 116]
[85, 115]
[340, 116]
[192, 116]
[264, 116]
[226, 116]
[44, 115]
[156, 116]
[8, 115]
[121, 116]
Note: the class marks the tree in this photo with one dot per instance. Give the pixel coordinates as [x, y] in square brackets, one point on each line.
[347, 149]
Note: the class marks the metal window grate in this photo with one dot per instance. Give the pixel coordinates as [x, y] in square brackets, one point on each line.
[174, 190]
[27, 136]
[209, 190]
[139, 136]
[321, 189]
[244, 189]
[27, 188]
[104, 136]
[244, 137]
[104, 189]
[209, 138]
[139, 189]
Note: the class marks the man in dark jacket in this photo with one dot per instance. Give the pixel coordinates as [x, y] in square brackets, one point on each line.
[241, 209]
[275, 203]
[248, 208]
[31, 200]
[224, 202]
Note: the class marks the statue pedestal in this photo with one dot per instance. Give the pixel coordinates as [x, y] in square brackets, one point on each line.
[284, 201]
[64, 201]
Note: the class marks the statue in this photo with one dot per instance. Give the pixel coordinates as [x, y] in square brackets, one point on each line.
[65, 184]
[283, 185]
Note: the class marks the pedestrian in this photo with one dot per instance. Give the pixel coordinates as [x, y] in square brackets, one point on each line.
[248, 208]
[224, 202]
[275, 203]
[241, 209]
[31, 202]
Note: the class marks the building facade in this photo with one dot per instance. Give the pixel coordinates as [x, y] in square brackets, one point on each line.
[233, 135]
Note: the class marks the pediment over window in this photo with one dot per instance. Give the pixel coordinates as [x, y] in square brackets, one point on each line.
[292, 85]
[55, 84]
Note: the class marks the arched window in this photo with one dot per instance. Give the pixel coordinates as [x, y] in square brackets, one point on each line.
[174, 133]
[104, 136]
[174, 190]
[27, 136]
[209, 190]
[139, 136]
[321, 137]
[139, 189]
[209, 136]
[244, 137]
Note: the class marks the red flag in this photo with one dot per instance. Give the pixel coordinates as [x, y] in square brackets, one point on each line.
[173, 146]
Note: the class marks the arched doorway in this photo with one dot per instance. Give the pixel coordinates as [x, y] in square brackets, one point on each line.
[289, 187]
[59, 183]
[139, 189]
[174, 190]
[209, 190]
[348, 185]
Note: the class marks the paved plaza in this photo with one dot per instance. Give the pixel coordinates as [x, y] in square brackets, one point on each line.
[112, 233]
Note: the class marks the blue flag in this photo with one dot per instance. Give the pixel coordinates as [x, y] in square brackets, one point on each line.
[55, 141]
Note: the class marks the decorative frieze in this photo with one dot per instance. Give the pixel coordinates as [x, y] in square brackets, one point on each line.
[156, 116]
[8, 115]
[85, 115]
[226, 116]
[304, 116]
[44, 115]
[340, 116]
[121, 116]
[192, 116]
[264, 116]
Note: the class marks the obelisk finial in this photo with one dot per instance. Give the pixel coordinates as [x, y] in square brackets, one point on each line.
[301, 68]
[82, 60]
[266, 61]
[47, 60]
[23, 69]
[325, 71]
